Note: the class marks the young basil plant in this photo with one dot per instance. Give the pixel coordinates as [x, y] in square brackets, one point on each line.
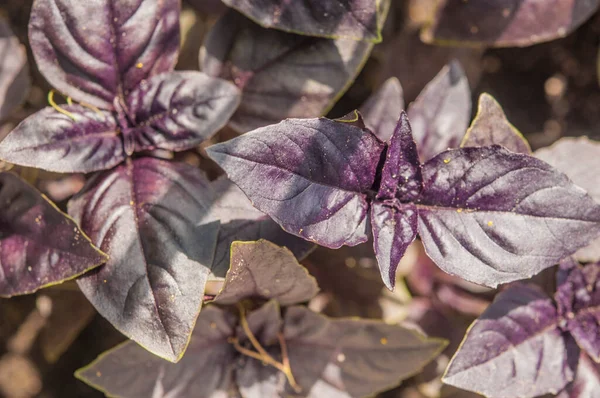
[268, 345]
[525, 344]
[505, 24]
[119, 66]
[39, 245]
[486, 214]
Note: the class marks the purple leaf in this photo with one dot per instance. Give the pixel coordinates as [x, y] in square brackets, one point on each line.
[491, 126]
[281, 75]
[310, 176]
[515, 349]
[146, 216]
[98, 50]
[39, 245]
[205, 371]
[350, 19]
[318, 347]
[440, 115]
[380, 111]
[587, 380]
[506, 24]
[264, 270]
[401, 176]
[394, 229]
[582, 171]
[179, 110]
[14, 73]
[54, 141]
[493, 216]
[242, 221]
[578, 300]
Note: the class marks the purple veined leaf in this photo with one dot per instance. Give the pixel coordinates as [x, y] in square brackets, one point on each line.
[344, 351]
[145, 215]
[53, 141]
[242, 221]
[587, 380]
[281, 75]
[394, 224]
[578, 300]
[492, 216]
[348, 19]
[39, 245]
[14, 73]
[491, 127]
[97, 50]
[380, 111]
[205, 371]
[179, 110]
[311, 176]
[263, 270]
[579, 159]
[440, 115]
[515, 349]
[505, 24]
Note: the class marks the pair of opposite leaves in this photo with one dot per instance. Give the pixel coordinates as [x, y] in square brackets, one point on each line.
[327, 357]
[526, 344]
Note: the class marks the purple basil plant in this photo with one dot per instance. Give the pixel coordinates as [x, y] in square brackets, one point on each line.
[486, 214]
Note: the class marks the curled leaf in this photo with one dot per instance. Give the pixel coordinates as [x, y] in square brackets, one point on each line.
[39, 245]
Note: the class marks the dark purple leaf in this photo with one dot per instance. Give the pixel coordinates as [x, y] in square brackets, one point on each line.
[350, 19]
[578, 300]
[579, 159]
[179, 110]
[14, 73]
[491, 126]
[146, 215]
[97, 50]
[507, 23]
[207, 370]
[266, 271]
[587, 380]
[394, 227]
[362, 357]
[310, 176]
[281, 75]
[53, 141]
[440, 115]
[493, 216]
[515, 349]
[242, 221]
[380, 111]
[39, 245]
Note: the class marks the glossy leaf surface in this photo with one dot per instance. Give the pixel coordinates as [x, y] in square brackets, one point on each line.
[264, 270]
[242, 221]
[281, 75]
[310, 176]
[39, 245]
[54, 141]
[491, 126]
[578, 299]
[493, 216]
[98, 50]
[440, 115]
[508, 23]
[380, 110]
[179, 110]
[351, 19]
[145, 215]
[515, 349]
[582, 172]
[14, 74]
